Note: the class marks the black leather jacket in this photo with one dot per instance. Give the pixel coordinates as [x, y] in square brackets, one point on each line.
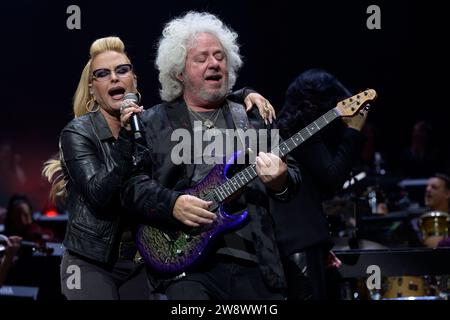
[95, 164]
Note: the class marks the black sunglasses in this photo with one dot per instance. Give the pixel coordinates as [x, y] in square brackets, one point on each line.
[104, 74]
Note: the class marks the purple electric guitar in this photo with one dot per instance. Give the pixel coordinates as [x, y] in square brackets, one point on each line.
[173, 251]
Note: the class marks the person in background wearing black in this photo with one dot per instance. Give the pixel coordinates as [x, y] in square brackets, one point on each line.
[325, 161]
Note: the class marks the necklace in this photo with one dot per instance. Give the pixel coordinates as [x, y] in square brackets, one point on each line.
[209, 123]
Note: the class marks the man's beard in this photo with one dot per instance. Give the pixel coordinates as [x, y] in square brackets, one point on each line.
[214, 96]
[211, 97]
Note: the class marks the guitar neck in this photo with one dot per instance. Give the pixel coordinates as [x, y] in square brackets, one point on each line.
[245, 176]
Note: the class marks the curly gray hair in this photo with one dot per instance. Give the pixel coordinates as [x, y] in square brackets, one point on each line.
[178, 37]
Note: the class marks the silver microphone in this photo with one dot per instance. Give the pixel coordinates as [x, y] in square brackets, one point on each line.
[134, 121]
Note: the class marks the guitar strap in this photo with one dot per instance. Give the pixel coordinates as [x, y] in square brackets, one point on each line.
[240, 120]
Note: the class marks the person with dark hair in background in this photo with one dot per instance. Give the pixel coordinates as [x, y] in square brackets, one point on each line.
[325, 161]
[19, 221]
[198, 59]
[96, 155]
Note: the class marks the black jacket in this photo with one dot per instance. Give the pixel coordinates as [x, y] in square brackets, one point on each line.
[302, 223]
[151, 194]
[95, 164]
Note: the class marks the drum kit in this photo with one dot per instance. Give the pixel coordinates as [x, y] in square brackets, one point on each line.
[434, 223]
[403, 287]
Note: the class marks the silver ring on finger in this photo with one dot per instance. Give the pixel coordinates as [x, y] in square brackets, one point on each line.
[124, 105]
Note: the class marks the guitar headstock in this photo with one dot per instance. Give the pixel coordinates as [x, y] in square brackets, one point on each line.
[350, 106]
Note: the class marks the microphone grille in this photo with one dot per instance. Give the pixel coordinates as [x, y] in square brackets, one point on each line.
[132, 96]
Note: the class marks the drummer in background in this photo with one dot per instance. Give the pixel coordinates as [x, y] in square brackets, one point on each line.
[437, 196]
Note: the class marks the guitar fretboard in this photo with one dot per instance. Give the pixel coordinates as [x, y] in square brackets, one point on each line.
[245, 176]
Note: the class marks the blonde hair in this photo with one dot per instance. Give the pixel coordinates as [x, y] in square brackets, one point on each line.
[55, 175]
[82, 98]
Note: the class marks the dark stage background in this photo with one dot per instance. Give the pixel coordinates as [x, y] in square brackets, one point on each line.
[404, 62]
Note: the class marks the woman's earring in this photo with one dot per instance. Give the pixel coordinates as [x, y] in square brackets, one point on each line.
[139, 96]
[90, 108]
